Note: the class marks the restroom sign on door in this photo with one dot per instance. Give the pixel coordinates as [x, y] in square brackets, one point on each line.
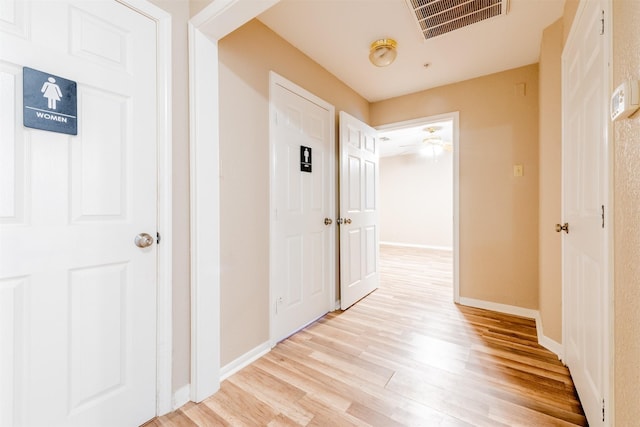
[305, 159]
[50, 102]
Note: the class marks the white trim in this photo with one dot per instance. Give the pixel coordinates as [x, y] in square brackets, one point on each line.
[181, 396]
[165, 220]
[551, 345]
[455, 118]
[205, 216]
[609, 309]
[205, 29]
[276, 79]
[500, 308]
[456, 206]
[164, 298]
[222, 17]
[245, 360]
[414, 245]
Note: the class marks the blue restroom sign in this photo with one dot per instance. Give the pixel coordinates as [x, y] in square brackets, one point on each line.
[50, 102]
[305, 159]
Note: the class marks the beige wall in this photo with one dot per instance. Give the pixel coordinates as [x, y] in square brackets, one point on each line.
[246, 57]
[498, 212]
[568, 15]
[550, 196]
[626, 66]
[416, 199]
[179, 10]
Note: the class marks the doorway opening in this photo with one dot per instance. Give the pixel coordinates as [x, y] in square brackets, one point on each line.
[419, 191]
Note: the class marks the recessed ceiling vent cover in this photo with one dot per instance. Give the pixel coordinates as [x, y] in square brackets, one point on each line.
[437, 17]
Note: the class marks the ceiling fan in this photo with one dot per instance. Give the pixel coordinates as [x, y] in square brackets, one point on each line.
[430, 141]
[435, 140]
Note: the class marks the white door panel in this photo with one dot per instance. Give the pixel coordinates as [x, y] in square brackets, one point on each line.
[359, 232]
[585, 182]
[78, 297]
[12, 150]
[301, 243]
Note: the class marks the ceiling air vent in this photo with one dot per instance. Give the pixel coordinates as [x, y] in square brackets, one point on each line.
[437, 17]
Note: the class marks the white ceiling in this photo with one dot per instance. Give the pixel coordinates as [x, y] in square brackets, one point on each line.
[411, 140]
[337, 35]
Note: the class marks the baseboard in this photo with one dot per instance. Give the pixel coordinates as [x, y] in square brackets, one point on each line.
[551, 345]
[246, 359]
[501, 308]
[181, 396]
[412, 245]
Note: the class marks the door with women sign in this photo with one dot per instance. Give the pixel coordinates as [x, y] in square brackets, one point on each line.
[77, 290]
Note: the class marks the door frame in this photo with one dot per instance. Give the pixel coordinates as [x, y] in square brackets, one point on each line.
[276, 79]
[206, 28]
[455, 118]
[164, 269]
[608, 329]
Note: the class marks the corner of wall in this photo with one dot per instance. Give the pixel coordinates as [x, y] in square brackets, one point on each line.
[244, 360]
[181, 396]
[548, 343]
[543, 340]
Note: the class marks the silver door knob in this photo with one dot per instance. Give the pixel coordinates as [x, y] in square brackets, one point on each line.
[328, 221]
[143, 240]
[562, 227]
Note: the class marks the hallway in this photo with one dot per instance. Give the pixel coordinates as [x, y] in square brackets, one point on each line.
[406, 355]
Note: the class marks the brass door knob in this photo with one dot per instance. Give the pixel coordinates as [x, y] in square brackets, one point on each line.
[564, 227]
[328, 221]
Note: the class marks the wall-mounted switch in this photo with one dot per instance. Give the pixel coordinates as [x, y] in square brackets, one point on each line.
[518, 170]
[625, 100]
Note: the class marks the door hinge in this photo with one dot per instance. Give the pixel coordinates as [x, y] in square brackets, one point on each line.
[602, 410]
[602, 24]
[158, 238]
[602, 216]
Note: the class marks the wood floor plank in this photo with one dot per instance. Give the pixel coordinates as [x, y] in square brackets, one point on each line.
[278, 394]
[203, 416]
[371, 416]
[405, 355]
[326, 416]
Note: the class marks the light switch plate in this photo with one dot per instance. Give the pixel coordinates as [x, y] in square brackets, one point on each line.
[518, 170]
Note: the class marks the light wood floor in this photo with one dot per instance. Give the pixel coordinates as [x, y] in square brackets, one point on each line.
[403, 356]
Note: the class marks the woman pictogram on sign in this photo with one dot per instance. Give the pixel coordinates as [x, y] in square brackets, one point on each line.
[52, 92]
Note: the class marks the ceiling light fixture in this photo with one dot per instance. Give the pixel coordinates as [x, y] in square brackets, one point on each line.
[383, 52]
[436, 142]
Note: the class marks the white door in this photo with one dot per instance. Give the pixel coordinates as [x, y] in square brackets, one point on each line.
[77, 296]
[585, 182]
[302, 186]
[359, 233]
